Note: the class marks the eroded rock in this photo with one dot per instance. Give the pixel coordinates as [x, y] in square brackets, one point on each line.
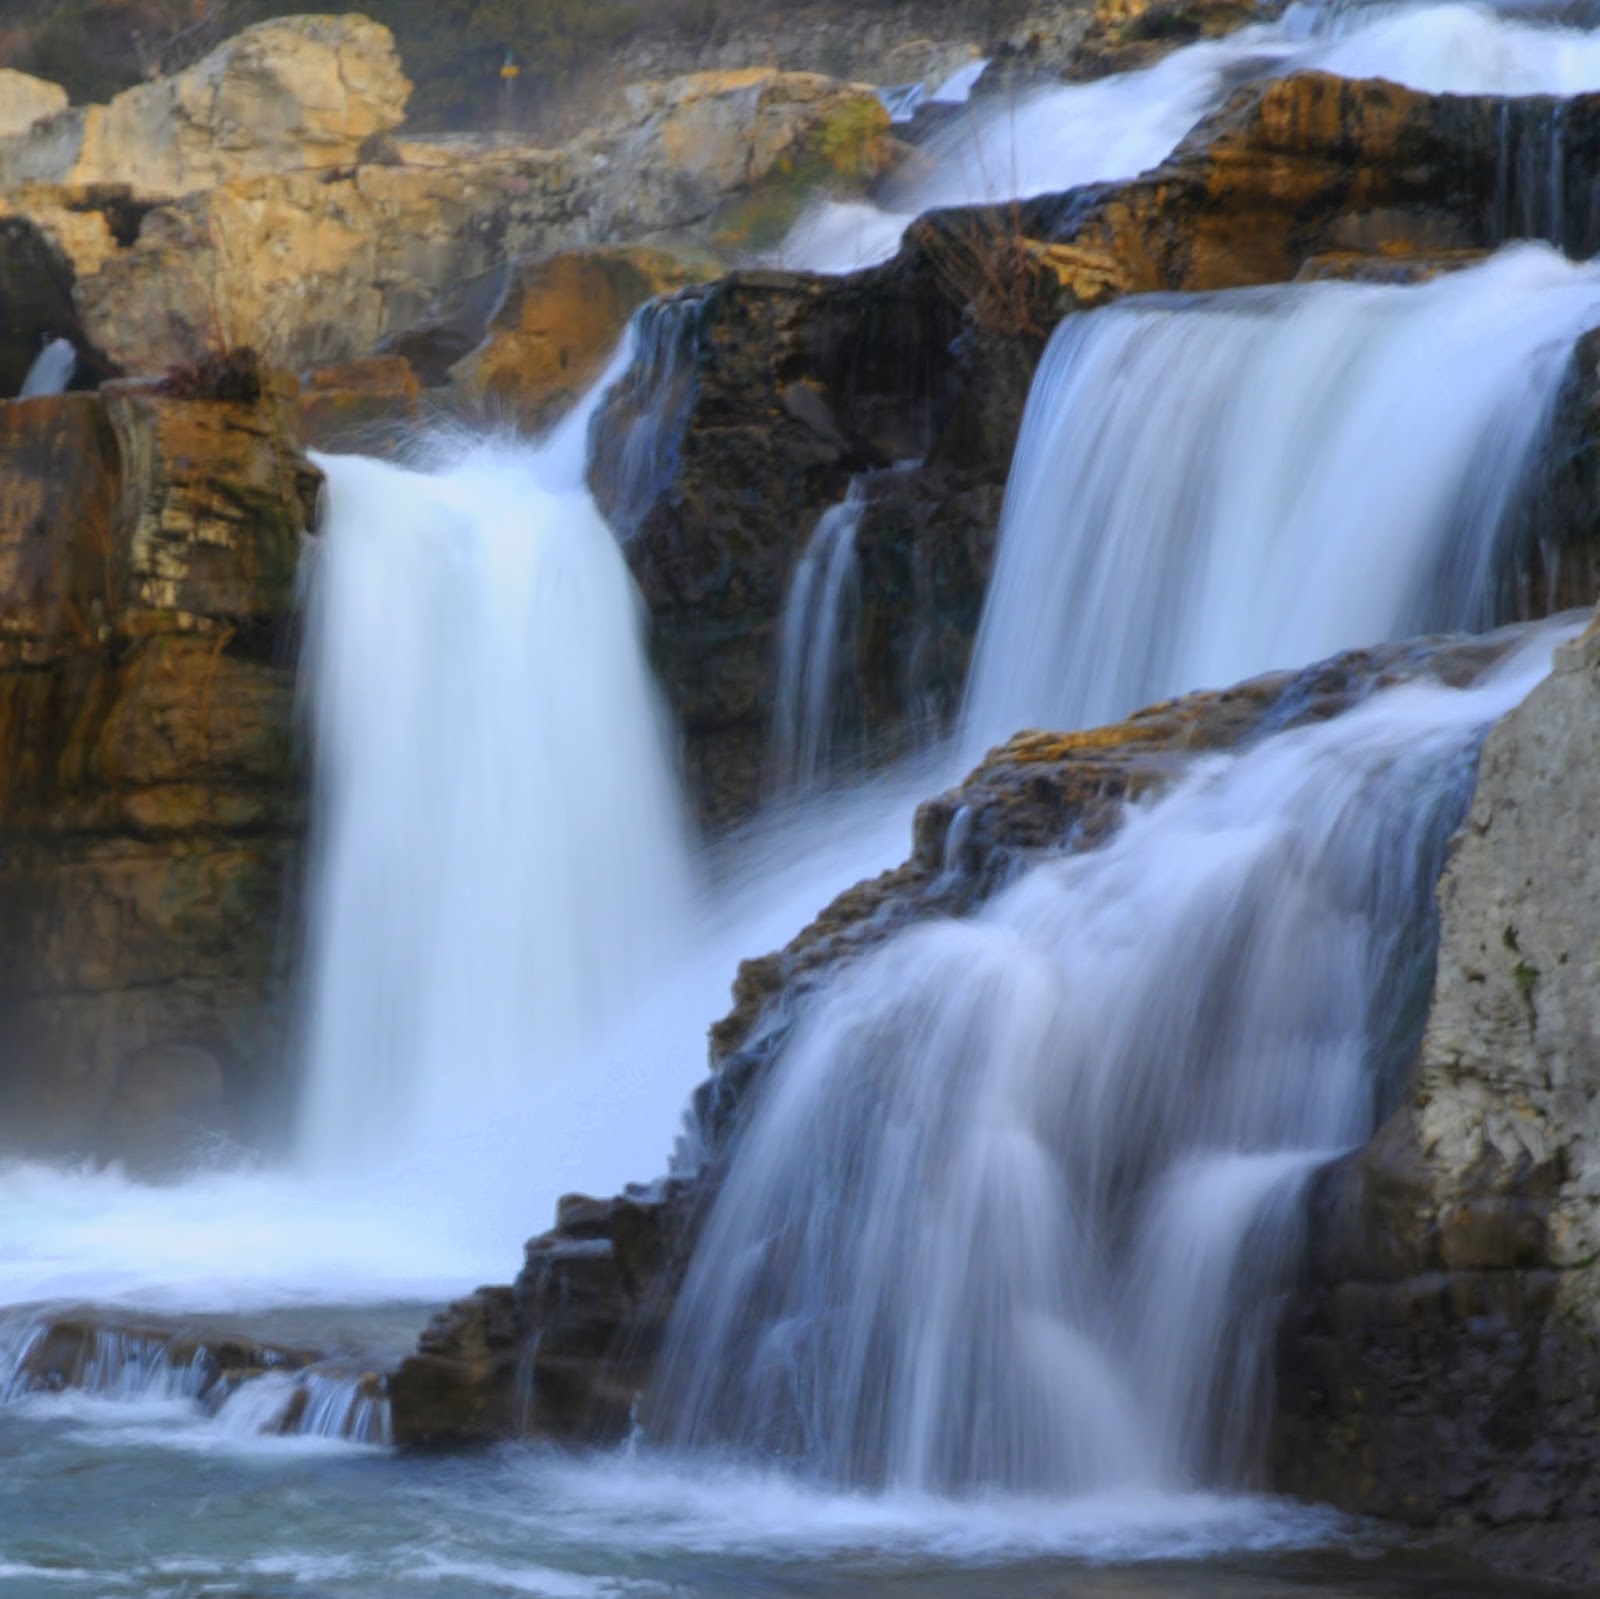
[150, 795]
[1442, 1365]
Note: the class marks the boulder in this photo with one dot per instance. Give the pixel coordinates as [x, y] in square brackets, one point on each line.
[1441, 1365]
[25, 101]
[304, 93]
[262, 199]
[559, 320]
[150, 795]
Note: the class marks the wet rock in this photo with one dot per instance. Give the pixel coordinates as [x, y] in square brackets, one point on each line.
[557, 322]
[150, 795]
[568, 1351]
[1442, 1364]
[364, 405]
[756, 401]
[753, 405]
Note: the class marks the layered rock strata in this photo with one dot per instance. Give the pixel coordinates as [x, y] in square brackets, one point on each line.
[1441, 1365]
[150, 798]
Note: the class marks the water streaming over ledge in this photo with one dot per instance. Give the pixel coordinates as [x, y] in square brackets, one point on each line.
[1208, 487]
[500, 853]
[52, 369]
[1012, 1210]
[816, 630]
[1043, 140]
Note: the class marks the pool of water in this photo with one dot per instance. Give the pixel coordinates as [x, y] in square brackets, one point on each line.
[106, 1496]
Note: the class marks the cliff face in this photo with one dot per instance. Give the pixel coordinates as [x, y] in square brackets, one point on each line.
[267, 197]
[1443, 1363]
[150, 800]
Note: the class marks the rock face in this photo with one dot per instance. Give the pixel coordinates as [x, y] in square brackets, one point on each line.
[568, 1350]
[753, 405]
[150, 799]
[303, 94]
[557, 321]
[25, 101]
[1443, 1363]
[262, 198]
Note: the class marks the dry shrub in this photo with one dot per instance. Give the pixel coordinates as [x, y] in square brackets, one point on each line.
[985, 261]
[231, 374]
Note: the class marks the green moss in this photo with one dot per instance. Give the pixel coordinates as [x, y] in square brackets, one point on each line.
[1525, 977]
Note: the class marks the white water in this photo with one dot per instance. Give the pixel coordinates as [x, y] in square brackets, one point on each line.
[1209, 488]
[500, 856]
[1057, 138]
[815, 635]
[51, 371]
[1015, 1200]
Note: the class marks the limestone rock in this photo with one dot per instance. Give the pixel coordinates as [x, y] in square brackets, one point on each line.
[304, 93]
[25, 101]
[150, 797]
[320, 262]
[1442, 1365]
[567, 1352]
[558, 321]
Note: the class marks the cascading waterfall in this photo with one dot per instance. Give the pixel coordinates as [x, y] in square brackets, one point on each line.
[501, 855]
[1050, 140]
[1208, 487]
[1011, 1210]
[814, 635]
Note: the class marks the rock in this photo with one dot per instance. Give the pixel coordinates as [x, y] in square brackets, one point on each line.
[25, 101]
[150, 795]
[558, 322]
[568, 1352]
[321, 262]
[1080, 41]
[595, 1293]
[363, 405]
[756, 401]
[1313, 165]
[167, 1102]
[304, 93]
[753, 404]
[1442, 1364]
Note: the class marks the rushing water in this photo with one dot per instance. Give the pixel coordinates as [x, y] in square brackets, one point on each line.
[1046, 140]
[1013, 1208]
[52, 369]
[1335, 466]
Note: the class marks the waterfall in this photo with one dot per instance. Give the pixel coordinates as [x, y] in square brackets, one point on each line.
[51, 371]
[1210, 487]
[1052, 139]
[1012, 1209]
[814, 638]
[501, 860]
